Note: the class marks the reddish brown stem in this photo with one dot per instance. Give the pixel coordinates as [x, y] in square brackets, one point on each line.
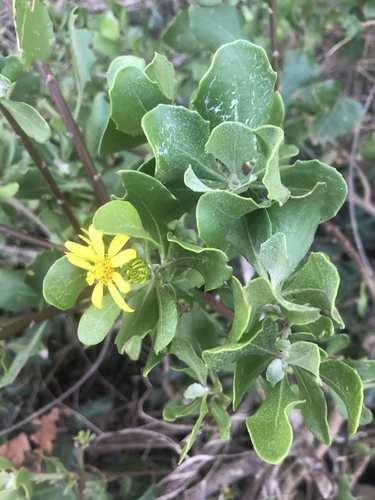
[74, 133]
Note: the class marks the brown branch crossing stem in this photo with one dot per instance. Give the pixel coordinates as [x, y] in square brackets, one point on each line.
[74, 133]
[27, 238]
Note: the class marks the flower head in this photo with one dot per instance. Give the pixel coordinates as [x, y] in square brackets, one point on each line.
[101, 264]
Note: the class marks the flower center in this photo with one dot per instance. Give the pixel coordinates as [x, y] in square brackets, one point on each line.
[103, 271]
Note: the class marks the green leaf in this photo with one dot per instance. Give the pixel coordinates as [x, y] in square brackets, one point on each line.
[136, 325]
[242, 310]
[304, 355]
[298, 219]
[209, 262]
[221, 418]
[217, 211]
[22, 479]
[113, 140]
[28, 119]
[337, 121]
[13, 68]
[215, 26]
[191, 438]
[322, 327]
[161, 72]
[238, 86]
[82, 54]
[273, 258]
[347, 384]
[121, 62]
[16, 295]
[174, 409]
[168, 317]
[248, 368]
[277, 110]
[269, 141]
[275, 371]
[63, 284]
[233, 144]
[21, 358]
[9, 190]
[364, 367]
[178, 137]
[316, 283]
[95, 323]
[153, 201]
[247, 234]
[120, 217]
[270, 429]
[299, 71]
[260, 341]
[314, 409]
[34, 30]
[263, 297]
[132, 95]
[303, 177]
[185, 352]
[179, 34]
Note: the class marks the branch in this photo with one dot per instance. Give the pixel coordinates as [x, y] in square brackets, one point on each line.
[352, 165]
[43, 169]
[33, 240]
[273, 37]
[73, 132]
[352, 253]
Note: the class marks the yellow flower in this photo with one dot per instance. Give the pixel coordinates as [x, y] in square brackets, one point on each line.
[100, 265]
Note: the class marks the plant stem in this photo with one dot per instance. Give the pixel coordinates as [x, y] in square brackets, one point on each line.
[43, 169]
[273, 38]
[73, 132]
[353, 254]
[33, 240]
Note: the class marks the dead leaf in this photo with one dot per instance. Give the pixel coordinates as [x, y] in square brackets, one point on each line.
[48, 430]
[15, 449]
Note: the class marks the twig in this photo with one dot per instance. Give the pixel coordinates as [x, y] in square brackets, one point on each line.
[74, 133]
[273, 38]
[352, 253]
[358, 241]
[90, 372]
[27, 238]
[43, 169]
[23, 209]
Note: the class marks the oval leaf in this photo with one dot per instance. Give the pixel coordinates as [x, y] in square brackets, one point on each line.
[96, 323]
[238, 86]
[270, 429]
[63, 284]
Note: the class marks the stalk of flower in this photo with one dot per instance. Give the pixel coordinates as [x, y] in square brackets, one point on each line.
[101, 265]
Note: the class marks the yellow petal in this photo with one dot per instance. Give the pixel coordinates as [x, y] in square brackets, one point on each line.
[96, 238]
[116, 296]
[123, 257]
[81, 251]
[121, 284]
[86, 240]
[90, 278]
[97, 296]
[117, 243]
[77, 261]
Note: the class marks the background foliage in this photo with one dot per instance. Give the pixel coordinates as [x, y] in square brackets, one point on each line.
[88, 422]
